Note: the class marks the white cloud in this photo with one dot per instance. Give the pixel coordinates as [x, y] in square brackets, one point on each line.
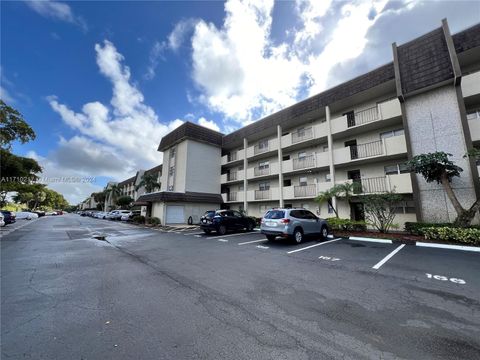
[244, 74]
[208, 124]
[57, 10]
[156, 54]
[115, 140]
[180, 32]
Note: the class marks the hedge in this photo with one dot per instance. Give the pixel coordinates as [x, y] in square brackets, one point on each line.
[418, 228]
[346, 224]
[138, 219]
[153, 221]
[451, 234]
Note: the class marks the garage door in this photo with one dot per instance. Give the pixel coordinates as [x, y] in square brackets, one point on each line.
[175, 215]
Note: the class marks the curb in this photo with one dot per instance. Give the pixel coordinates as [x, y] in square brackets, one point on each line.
[415, 243]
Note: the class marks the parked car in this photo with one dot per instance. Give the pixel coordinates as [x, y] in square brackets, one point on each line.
[118, 215]
[127, 217]
[51, 213]
[27, 215]
[40, 213]
[101, 215]
[295, 224]
[222, 221]
[2, 222]
[8, 216]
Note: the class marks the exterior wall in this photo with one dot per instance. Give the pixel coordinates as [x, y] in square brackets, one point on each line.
[195, 210]
[202, 161]
[435, 123]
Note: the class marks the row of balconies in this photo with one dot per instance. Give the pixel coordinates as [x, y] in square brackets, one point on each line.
[382, 111]
[400, 183]
[348, 155]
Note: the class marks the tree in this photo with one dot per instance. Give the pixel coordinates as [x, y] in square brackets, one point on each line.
[124, 201]
[346, 191]
[380, 209]
[100, 198]
[438, 167]
[13, 127]
[113, 192]
[149, 181]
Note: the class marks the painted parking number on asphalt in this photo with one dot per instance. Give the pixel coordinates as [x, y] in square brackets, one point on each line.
[444, 278]
[329, 258]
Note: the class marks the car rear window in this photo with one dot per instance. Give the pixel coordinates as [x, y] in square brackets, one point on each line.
[275, 214]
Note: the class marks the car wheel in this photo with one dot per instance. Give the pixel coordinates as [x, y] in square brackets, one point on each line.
[324, 232]
[271, 237]
[207, 231]
[222, 230]
[250, 226]
[298, 235]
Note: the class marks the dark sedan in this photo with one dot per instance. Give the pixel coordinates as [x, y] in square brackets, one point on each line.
[222, 221]
[9, 217]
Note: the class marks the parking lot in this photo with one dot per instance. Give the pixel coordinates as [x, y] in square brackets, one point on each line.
[184, 294]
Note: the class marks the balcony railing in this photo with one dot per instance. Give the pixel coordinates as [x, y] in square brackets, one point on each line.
[374, 185]
[262, 194]
[232, 156]
[260, 149]
[232, 176]
[362, 116]
[304, 162]
[232, 196]
[261, 171]
[305, 190]
[302, 135]
[361, 151]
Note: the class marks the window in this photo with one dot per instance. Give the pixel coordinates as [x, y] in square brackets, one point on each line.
[264, 186]
[405, 207]
[288, 206]
[236, 213]
[263, 209]
[240, 168]
[325, 148]
[274, 214]
[263, 144]
[287, 182]
[263, 165]
[309, 215]
[330, 209]
[391, 133]
[301, 132]
[328, 178]
[403, 168]
[303, 181]
[396, 169]
[473, 114]
[286, 157]
[302, 155]
[297, 214]
[240, 188]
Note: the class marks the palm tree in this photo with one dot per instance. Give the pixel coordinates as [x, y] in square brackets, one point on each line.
[113, 192]
[149, 181]
[346, 191]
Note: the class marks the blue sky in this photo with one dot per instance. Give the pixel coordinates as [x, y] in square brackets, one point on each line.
[102, 82]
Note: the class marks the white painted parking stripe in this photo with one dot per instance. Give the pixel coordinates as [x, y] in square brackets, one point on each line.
[388, 257]
[251, 242]
[200, 233]
[222, 236]
[223, 240]
[384, 241]
[446, 246]
[311, 246]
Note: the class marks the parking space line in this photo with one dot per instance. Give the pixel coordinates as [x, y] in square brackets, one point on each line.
[200, 233]
[251, 242]
[384, 241]
[236, 234]
[448, 246]
[311, 246]
[388, 257]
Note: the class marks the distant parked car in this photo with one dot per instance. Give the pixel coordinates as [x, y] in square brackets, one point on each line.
[222, 221]
[40, 213]
[26, 215]
[127, 217]
[2, 222]
[295, 224]
[101, 215]
[118, 215]
[111, 215]
[8, 216]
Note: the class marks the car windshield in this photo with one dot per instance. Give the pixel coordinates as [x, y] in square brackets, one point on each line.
[209, 214]
[275, 214]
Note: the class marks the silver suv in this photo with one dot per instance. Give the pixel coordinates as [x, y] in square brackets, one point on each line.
[294, 223]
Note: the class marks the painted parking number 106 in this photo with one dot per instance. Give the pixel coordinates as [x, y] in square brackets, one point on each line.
[444, 278]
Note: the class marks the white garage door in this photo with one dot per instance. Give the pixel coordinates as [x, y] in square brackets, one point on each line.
[175, 215]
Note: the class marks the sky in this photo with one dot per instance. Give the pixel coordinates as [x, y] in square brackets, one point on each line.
[102, 82]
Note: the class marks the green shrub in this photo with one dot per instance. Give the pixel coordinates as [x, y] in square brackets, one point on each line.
[138, 219]
[417, 228]
[346, 224]
[452, 234]
[153, 221]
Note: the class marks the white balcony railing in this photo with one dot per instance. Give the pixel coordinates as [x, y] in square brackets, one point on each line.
[304, 162]
[302, 135]
[262, 194]
[305, 190]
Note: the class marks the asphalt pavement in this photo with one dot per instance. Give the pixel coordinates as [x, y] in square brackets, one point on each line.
[181, 294]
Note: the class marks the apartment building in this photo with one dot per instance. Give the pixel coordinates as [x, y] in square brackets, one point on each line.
[427, 99]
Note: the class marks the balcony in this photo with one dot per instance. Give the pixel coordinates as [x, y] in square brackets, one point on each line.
[237, 196]
[474, 125]
[255, 172]
[233, 157]
[305, 190]
[382, 111]
[233, 176]
[304, 162]
[255, 150]
[304, 135]
[262, 195]
[400, 184]
[471, 84]
[395, 145]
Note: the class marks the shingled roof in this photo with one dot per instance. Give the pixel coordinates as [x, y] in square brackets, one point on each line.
[192, 131]
[189, 196]
[467, 39]
[128, 181]
[154, 170]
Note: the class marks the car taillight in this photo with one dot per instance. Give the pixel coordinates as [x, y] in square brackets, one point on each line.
[285, 221]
